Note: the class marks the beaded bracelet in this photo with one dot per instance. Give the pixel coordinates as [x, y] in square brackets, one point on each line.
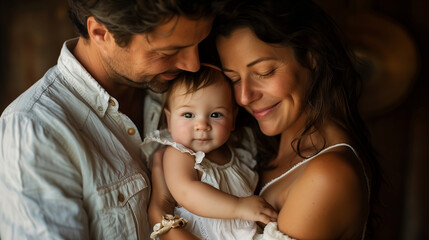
[168, 222]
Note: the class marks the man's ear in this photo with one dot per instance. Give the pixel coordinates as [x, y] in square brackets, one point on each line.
[98, 33]
[168, 117]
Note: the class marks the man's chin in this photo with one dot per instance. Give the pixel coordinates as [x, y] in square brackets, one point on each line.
[158, 89]
[156, 84]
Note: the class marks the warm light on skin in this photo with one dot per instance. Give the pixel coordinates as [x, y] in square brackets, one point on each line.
[268, 81]
[203, 120]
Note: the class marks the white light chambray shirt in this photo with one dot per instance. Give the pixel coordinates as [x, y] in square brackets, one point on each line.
[70, 163]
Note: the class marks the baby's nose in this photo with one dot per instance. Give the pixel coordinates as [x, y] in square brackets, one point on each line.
[202, 125]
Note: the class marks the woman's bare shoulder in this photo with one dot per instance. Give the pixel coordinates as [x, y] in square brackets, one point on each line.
[336, 168]
[326, 198]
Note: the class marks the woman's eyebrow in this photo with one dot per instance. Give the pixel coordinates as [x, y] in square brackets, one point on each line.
[259, 60]
[251, 63]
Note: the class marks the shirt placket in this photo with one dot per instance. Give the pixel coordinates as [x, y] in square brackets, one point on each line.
[129, 127]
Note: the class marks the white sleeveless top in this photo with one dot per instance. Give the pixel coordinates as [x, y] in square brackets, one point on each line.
[271, 231]
[235, 177]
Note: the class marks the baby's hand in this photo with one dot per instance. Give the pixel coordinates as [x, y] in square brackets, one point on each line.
[255, 208]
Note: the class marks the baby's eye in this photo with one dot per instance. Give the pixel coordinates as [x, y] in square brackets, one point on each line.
[216, 115]
[188, 115]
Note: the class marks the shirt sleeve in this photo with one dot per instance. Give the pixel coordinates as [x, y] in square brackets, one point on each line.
[41, 189]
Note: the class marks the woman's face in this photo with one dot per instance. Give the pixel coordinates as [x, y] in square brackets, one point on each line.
[268, 81]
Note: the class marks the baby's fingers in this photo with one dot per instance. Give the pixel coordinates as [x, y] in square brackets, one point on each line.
[270, 213]
[263, 219]
[267, 214]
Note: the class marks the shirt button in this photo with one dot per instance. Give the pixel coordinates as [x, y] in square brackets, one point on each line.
[111, 102]
[131, 131]
[100, 108]
[121, 197]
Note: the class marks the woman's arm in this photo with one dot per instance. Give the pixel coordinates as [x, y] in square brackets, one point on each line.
[325, 202]
[162, 203]
[204, 200]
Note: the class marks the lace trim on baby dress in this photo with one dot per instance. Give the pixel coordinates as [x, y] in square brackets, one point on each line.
[271, 233]
[164, 137]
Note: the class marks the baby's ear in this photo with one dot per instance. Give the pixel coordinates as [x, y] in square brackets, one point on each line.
[168, 117]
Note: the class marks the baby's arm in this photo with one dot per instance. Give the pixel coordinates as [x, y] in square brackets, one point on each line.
[204, 200]
[161, 201]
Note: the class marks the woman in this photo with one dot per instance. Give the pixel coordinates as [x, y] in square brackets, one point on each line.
[291, 71]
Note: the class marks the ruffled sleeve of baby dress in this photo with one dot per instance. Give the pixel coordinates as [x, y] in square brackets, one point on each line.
[271, 232]
[164, 137]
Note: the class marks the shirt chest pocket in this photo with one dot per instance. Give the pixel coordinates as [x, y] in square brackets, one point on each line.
[124, 208]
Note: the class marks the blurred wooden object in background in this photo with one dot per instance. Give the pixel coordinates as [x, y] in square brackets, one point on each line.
[33, 35]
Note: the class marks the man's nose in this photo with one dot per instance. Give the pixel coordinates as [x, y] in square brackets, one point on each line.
[188, 59]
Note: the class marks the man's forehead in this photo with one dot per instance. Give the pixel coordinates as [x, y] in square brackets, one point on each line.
[179, 32]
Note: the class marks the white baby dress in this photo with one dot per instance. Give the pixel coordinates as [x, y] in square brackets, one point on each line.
[235, 177]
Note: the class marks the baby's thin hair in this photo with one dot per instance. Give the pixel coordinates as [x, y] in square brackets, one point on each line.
[194, 81]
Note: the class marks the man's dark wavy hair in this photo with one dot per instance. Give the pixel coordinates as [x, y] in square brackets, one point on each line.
[123, 18]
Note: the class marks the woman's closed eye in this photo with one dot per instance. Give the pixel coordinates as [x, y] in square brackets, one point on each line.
[266, 74]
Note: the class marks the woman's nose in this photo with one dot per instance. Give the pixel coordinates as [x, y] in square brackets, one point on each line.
[246, 92]
[202, 125]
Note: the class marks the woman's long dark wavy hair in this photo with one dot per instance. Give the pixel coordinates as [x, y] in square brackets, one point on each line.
[335, 85]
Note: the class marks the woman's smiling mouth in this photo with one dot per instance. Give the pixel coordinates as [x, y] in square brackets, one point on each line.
[263, 112]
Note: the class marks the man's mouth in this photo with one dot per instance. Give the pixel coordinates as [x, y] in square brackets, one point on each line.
[170, 75]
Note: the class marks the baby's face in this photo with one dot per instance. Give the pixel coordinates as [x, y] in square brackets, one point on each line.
[203, 120]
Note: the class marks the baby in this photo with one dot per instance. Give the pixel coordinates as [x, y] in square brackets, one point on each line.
[212, 181]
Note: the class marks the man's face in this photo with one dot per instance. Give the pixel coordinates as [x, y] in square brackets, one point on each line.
[151, 60]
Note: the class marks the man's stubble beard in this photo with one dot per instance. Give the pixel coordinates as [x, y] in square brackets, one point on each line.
[151, 82]
[154, 84]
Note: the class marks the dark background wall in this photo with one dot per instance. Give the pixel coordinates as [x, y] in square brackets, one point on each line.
[391, 38]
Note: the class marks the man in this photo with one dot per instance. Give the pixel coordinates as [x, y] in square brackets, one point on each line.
[71, 164]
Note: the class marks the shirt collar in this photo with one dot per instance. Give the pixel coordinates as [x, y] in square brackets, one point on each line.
[80, 79]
